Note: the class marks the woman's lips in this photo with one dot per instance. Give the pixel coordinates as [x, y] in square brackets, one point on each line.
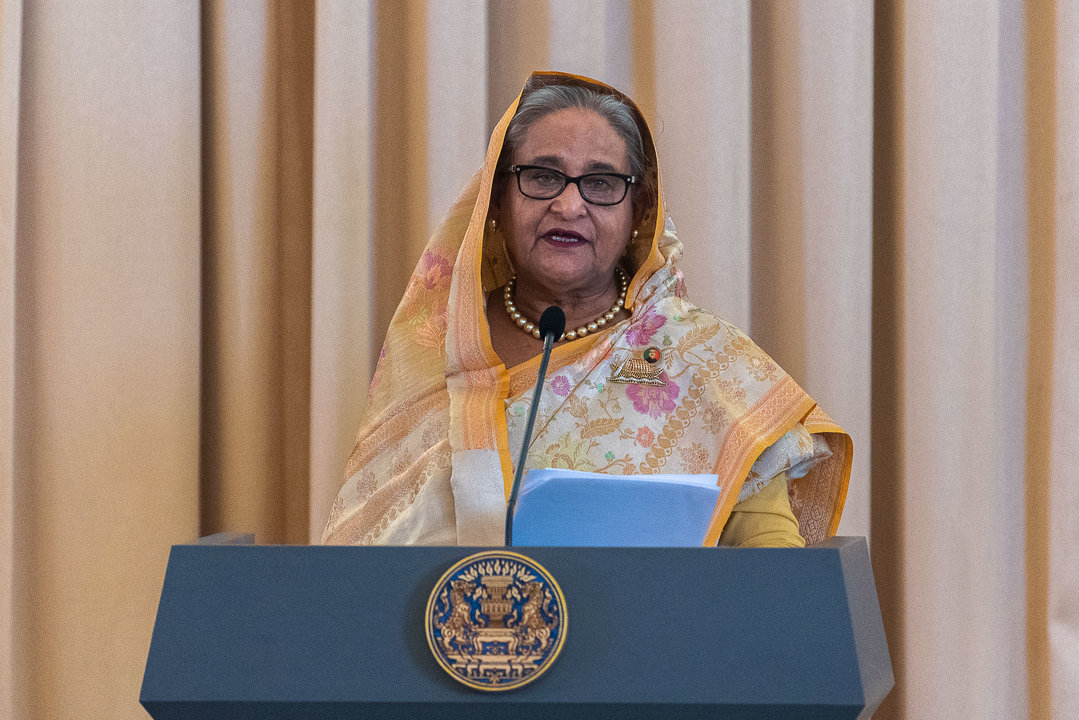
[564, 238]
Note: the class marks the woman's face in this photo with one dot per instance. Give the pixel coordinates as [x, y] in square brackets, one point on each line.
[566, 245]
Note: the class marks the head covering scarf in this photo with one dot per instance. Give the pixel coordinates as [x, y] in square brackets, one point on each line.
[433, 461]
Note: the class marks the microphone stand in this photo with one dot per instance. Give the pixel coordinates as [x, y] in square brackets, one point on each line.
[551, 324]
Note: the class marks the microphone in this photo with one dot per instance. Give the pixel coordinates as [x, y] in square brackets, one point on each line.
[552, 324]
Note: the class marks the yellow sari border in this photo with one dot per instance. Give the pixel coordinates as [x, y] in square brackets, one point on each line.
[818, 422]
[768, 420]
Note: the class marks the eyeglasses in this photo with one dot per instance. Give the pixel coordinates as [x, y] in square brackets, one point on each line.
[540, 183]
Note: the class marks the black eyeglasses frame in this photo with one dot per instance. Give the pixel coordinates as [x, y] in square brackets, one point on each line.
[567, 179]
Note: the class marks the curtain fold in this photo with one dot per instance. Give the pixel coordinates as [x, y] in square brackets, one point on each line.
[208, 216]
[962, 545]
[10, 71]
[257, 71]
[1059, 485]
[104, 355]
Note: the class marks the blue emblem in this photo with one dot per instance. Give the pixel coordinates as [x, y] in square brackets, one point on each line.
[496, 620]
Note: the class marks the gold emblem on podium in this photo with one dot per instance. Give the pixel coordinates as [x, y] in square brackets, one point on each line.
[496, 620]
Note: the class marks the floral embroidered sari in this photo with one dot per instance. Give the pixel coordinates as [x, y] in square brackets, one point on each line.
[433, 462]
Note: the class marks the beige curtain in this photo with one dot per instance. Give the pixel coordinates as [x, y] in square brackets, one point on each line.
[208, 215]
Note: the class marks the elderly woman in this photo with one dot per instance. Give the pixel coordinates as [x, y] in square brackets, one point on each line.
[567, 211]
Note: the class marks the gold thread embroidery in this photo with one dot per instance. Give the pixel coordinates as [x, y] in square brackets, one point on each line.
[374, 516]
[522, 380]
[392, 427]
[814, 496]
[674, 429]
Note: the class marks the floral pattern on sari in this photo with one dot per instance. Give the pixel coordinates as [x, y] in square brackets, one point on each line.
[426, 300]
[654, 400]
[612, 427]
[642, 330]
[714, 374]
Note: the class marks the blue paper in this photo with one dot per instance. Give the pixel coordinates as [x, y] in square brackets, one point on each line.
[569, 508]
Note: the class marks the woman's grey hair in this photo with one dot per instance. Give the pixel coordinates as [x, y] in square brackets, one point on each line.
[552, 98]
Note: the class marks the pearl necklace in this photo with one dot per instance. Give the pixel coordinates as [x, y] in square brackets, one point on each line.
[530, 327]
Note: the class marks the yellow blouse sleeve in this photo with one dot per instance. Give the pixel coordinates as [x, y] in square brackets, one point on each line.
[763, 520]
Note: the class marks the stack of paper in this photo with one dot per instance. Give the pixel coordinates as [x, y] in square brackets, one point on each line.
[571, 508]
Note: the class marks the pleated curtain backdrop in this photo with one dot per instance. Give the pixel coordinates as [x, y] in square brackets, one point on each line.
[208, 215]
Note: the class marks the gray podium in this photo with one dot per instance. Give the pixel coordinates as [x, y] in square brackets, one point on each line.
[275, 632]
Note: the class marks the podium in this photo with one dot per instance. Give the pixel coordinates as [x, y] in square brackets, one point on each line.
[276, 632]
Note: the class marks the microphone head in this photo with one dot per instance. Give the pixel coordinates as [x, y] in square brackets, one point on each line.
[552, 322]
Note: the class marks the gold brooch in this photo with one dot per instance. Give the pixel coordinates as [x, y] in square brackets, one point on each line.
[642, 370]
[496, 620]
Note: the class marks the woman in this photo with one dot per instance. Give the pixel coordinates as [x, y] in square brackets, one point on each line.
[567, 211]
